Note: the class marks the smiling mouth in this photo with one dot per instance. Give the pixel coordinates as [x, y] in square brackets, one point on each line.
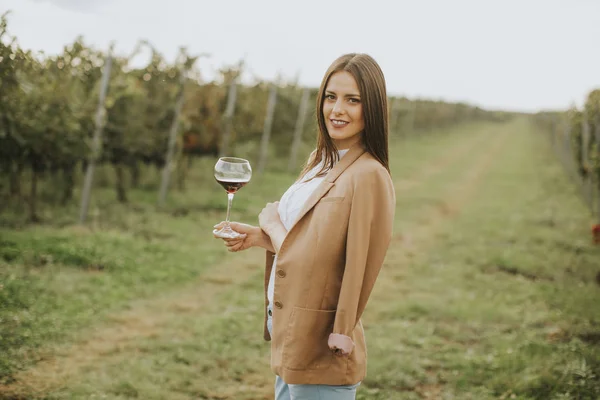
[337, 122]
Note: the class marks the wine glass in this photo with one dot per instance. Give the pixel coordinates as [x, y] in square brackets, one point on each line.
[233, 174]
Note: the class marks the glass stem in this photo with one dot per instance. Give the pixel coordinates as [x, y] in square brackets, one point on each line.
[229, 201]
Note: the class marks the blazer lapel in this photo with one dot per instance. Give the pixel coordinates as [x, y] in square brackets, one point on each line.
[352, 155]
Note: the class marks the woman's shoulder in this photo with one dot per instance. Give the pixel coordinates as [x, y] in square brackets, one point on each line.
[366, 174]
[368, 166]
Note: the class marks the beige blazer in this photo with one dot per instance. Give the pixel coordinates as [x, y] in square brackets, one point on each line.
[326, 269]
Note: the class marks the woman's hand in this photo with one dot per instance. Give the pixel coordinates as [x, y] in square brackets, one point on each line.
[253, 236]
[269, 219]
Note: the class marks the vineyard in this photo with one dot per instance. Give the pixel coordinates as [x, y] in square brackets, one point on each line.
[575, 137]
[112, 286]
[50, 110]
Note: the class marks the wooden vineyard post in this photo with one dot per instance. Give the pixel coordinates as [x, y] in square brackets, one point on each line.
[266, 135]
[228, 116]
[588, 180]
[166, 172]
[595, 172]
[298, 129]
[97, 140]
[570, 165]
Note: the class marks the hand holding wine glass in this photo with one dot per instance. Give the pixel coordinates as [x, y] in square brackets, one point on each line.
[252, 236]
[232, 173]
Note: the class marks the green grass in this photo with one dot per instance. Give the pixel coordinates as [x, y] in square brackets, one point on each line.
[488, 291]
[482, 330]
[57, 276]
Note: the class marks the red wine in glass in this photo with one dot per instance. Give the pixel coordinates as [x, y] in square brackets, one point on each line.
[232, 186]
[233, 174]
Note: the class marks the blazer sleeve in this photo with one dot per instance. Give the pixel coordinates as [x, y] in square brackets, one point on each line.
[369, 234]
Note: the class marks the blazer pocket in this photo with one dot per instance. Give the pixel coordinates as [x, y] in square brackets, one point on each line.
[305, 345]
[331, 200]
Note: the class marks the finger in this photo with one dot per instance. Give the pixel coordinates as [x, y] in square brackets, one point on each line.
[238, 246]
[219, 225]
[234, 248]
[231, 244]
[339, 352]
[237, 239]
[239, 227]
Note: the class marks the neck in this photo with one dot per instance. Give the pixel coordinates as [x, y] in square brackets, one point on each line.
[346, 144]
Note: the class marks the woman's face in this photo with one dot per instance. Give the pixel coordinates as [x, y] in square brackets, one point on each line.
[342, 110]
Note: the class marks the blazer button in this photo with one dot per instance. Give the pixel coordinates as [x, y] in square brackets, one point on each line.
[278, 304]
[281, 273]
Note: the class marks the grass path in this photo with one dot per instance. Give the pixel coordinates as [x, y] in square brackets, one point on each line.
[148, 317]
[442, 306]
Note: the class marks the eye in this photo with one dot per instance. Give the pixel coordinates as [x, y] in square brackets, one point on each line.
[354, 100]
[330, 96]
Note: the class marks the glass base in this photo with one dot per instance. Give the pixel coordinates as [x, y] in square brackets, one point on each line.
[227, 233]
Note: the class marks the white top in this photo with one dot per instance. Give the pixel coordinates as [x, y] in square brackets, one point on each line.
[290, 205]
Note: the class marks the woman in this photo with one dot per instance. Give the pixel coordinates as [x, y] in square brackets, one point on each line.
[327, 238]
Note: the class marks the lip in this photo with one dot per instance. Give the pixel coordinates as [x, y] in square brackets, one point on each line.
[338, 126]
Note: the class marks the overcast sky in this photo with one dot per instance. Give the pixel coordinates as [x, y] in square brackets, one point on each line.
[510, 54]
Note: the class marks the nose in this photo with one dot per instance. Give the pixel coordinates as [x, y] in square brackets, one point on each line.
[338, 107]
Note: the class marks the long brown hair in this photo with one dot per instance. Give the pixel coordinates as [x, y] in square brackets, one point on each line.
[371, 85]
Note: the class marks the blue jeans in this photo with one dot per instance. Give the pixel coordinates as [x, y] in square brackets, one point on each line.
[284, 391]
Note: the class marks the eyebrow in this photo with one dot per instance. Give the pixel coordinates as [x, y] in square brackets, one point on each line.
[348, 95]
